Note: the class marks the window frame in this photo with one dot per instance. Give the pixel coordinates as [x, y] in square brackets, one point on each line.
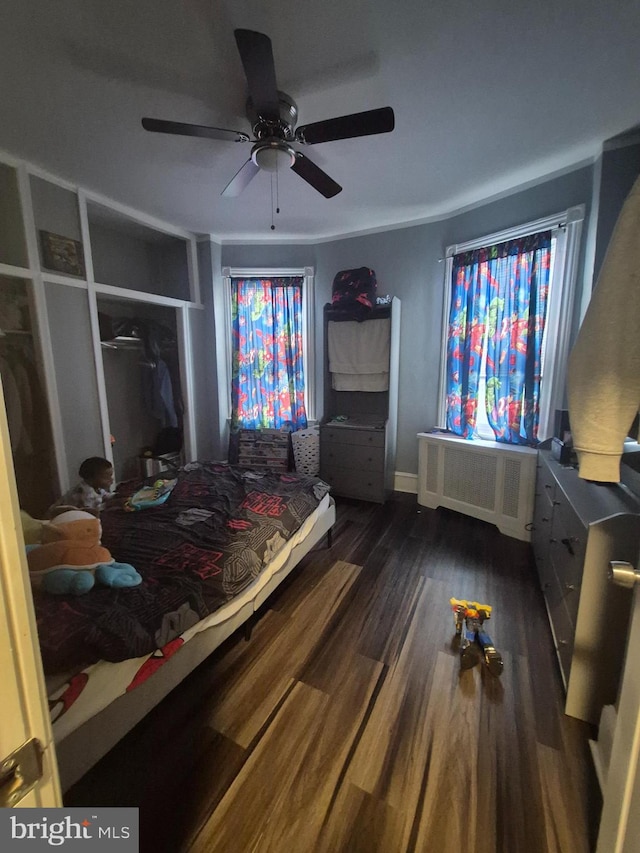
[567, 227]
[308, 330]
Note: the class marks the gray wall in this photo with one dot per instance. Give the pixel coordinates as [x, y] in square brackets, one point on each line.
[407, 264]
[203, 338]
[120, 259]
[291, 255]
[13, 248]
[619, 170]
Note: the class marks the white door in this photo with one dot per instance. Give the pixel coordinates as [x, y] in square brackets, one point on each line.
[24, 714]
[620, 821]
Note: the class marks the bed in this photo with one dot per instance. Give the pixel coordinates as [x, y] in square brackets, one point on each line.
[209, 556]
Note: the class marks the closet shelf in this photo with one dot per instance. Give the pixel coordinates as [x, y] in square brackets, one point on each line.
[122, 342]
[17, 332]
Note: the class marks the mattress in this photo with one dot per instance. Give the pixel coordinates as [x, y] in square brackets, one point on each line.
[77, 696]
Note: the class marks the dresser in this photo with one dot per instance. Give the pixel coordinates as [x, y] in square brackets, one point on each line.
[358, 430]
[578, 527]
[353, 458]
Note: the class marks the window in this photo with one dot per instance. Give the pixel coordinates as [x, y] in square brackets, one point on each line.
[506, 324]
[268, 347]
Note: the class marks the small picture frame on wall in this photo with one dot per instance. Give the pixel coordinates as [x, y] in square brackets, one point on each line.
[62, 254]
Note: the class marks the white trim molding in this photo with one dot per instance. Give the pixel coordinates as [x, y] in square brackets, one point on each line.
[405, 482]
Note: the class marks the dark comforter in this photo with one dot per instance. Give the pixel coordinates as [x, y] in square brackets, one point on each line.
[213, 536]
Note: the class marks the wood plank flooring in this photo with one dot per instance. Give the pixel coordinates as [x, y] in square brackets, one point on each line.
[345, 724]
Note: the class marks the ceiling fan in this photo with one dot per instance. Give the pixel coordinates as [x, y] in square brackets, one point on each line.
[273, 116]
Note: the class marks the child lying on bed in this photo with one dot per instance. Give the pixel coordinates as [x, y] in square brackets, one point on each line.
[92, 492]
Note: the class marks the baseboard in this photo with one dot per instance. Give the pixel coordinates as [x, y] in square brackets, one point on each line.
[404, 482]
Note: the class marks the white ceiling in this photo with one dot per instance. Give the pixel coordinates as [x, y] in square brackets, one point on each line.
[487, 96]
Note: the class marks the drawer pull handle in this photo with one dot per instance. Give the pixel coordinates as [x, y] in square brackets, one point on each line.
[544, 518]
[568, 544]
[562, 643]
[556, 503]
[548, 486]
[570, 586]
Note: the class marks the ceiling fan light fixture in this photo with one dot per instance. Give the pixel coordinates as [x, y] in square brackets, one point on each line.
[273, 155]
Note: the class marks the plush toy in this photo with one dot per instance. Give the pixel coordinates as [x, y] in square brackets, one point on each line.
[70, 558]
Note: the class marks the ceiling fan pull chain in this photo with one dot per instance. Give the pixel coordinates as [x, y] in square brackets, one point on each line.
[273, 227]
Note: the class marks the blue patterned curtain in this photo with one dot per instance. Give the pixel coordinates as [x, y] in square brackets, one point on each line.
[499, 300]
[267, 387]
[467, 326]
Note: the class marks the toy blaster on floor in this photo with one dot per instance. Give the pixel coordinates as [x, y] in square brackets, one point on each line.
[475, 643]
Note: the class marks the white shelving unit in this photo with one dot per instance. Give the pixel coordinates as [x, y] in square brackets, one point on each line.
[71, 251]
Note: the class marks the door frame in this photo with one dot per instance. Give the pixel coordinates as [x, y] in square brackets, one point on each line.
[25, 710]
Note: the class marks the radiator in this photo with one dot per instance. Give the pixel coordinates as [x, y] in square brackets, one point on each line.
[490, 481]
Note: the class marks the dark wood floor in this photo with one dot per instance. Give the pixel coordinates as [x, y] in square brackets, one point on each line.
[345, 724]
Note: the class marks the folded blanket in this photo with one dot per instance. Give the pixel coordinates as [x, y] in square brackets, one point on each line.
[360, 381]
[359, 347]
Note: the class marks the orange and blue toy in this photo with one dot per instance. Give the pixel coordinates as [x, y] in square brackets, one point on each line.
[475, 643]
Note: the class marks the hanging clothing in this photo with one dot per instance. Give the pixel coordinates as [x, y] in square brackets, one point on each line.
[604, 365]
[158, 394]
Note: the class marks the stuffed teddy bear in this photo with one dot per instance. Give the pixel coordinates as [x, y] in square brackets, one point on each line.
[70, 559]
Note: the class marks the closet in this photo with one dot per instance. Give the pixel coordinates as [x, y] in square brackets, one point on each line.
[25, 401]
[358, 430]
[99, 313]
[142, 383]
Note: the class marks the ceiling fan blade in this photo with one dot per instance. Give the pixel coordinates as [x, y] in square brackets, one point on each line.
[257, 60]
[239, 181]
[313, 175]
[346, 127]
[158, 125]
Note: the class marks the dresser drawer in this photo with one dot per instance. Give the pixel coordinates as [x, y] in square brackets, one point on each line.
[557, 590]
[564, 633]
[347, 435]
[355, 483]
[571, 526]
[541, 531]
[545, 485]
[352, 456]
[568, 546]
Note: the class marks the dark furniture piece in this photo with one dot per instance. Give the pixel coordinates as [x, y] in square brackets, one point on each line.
[579, 526]
[358, 432]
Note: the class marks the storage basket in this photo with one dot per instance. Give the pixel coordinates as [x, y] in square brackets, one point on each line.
[306, 450]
